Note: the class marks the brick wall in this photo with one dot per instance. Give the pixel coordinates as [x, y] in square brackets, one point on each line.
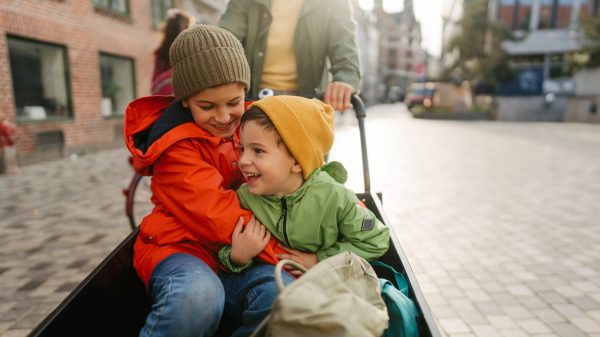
[85, 31]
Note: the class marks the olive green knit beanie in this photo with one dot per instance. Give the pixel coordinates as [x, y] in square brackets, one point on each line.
[305, 125]
[205, 56]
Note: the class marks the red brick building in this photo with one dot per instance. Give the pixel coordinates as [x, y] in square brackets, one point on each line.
[69, 67]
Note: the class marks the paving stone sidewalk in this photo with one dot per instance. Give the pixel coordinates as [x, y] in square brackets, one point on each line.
[58, 220]
[501, 221]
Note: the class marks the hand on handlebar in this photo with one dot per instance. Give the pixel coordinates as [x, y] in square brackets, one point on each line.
[338, 95]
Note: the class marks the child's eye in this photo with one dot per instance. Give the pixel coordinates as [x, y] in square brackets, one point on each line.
[206, 107]
[234, 103]
[258, 151]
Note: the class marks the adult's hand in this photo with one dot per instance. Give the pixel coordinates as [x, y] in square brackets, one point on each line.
[338, 95]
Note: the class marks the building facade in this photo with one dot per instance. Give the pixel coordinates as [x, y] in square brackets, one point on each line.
[402, 59]
[68, 69]
[548, 30]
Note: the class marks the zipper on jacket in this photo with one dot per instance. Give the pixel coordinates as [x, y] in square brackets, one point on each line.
[283, 218]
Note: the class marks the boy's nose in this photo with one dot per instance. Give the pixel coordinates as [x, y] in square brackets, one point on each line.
[243, 161]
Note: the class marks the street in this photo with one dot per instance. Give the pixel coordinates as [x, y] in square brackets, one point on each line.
[500, 221]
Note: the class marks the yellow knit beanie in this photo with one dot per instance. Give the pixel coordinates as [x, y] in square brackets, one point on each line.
[305, 125]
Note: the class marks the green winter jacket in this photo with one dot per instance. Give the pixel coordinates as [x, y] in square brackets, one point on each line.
[321, 217]
[324, 40]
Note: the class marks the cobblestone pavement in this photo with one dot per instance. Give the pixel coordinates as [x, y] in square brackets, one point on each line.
[501, 221]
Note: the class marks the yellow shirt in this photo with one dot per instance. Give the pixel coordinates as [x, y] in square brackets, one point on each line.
[279, 69]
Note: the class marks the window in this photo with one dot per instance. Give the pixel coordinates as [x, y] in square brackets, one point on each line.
[40, 79]
[516, 14]
[589, 8]
[546, 14]
[159, 10]
[563, 13]
[524, 14]
[120, 7]
[507, 12]
[118, 87]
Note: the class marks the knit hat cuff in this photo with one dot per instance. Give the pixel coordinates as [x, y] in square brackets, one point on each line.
[192, 75]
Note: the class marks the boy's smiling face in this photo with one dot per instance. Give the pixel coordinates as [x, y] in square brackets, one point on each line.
[267, 166]
[218, 110]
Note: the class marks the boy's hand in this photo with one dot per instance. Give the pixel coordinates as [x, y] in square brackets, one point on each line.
[307, 260]
[248, 243]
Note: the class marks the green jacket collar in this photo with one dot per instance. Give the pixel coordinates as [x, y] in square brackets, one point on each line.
[332, 171]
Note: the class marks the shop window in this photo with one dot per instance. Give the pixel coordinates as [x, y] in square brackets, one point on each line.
[159, 10]
[118, 88]
[40, 79]
[120, 7]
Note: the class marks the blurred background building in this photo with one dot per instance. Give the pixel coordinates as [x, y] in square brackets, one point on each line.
[545, 83]
[68, 69]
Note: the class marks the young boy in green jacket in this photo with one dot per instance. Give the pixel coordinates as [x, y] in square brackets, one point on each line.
[299, 200]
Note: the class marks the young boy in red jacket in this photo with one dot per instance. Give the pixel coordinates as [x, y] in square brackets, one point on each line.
[190, 146]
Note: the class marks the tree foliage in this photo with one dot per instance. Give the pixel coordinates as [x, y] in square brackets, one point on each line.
[589, 55]
[480, 56]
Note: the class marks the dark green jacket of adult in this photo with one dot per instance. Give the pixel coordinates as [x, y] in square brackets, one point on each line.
[321, 217]
[324, 40]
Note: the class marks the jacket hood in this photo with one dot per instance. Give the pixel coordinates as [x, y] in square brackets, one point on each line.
[154, 123]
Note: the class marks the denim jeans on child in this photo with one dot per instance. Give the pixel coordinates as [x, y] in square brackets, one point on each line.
[189, 299]
[249, 296]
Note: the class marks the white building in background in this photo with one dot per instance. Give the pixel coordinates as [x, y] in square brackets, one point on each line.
[452, 12]
[367, 39]
[402, 59]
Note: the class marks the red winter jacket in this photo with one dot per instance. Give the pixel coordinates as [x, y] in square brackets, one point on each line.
[194, 177]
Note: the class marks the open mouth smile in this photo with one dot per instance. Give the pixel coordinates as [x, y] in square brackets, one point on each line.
[251, 177]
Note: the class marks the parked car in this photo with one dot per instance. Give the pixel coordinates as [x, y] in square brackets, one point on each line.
[438, 96]
[419, 94]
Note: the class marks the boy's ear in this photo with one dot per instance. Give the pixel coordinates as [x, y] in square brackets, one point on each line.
[296, 168]
[185, 103]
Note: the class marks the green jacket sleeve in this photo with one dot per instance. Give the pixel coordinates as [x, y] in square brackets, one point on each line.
[235, 18]
[226, 262]
[343, 53]
[360, 232]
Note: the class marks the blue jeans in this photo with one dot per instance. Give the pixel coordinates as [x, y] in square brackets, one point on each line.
[249, 296]
[189, 299]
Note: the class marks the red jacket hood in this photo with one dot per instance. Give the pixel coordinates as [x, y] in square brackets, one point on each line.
[140, 115]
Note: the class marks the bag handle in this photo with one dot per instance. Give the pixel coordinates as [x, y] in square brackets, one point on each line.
[400, 279]
[279, 270]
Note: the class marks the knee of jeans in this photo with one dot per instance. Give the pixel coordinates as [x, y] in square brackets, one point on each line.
[205, 297]
[195, 299]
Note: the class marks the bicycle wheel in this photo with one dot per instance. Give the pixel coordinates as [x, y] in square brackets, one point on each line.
[137, 202]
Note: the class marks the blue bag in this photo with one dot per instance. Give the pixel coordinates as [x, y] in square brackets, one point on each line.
[401, 309]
